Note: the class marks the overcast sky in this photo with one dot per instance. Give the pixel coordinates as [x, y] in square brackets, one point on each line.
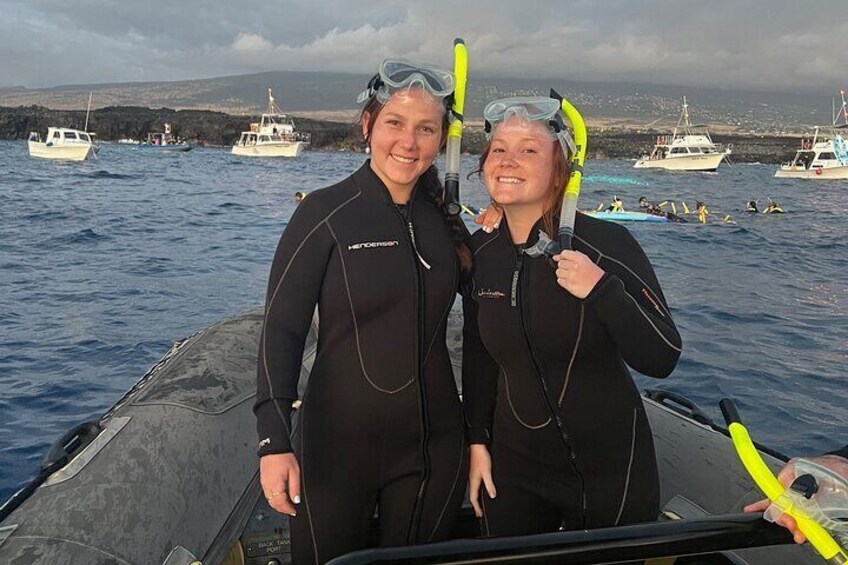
[774, 44]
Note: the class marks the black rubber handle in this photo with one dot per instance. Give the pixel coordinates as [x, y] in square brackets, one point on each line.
[693, 410]
[58, 456]
[74, 440]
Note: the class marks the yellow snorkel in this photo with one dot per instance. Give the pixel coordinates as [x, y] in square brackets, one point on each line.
[452, 152]
[572, 186]
[819, 538]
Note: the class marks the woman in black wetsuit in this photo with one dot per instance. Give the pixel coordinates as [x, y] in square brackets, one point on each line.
[558, 432]
[381, 425]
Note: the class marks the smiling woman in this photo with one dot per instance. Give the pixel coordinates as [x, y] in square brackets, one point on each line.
[559, 435]
[382, 260]
[404, 137]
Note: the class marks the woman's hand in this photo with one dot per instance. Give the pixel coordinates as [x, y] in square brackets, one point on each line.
[576, 273]
[835, 463]
[480, 471]
[279, 475]
[490, 217]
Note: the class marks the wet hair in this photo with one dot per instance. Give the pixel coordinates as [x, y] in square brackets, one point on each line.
[429, 180]
[553, 203]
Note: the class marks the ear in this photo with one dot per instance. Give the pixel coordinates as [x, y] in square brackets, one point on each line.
[366, 121]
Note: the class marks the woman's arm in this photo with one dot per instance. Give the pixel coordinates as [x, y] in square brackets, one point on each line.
[630, 304]
[294, 286]
[479, 378]
[479, 394]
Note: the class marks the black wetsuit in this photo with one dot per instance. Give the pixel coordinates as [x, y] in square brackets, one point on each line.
[545, 382]
[381, 420]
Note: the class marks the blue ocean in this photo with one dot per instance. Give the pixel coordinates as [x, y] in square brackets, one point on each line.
[104, 264]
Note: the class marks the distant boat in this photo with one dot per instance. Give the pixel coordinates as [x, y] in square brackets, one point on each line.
[824, 155]
[165, 141]
[273, 136]
[128, 141]
[688, 148]
[64, 144]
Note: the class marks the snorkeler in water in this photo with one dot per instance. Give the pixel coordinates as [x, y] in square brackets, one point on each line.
[616, 205]
[773, 208]
[658, 210]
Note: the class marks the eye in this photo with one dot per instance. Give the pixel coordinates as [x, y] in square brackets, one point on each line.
[394, 122]
[428, 129]
[497, 150]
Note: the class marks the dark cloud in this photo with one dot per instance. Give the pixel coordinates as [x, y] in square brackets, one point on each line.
[728, 44]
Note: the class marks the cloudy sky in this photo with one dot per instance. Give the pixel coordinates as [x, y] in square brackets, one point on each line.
[752, 44]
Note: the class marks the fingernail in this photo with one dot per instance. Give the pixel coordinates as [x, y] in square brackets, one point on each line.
[497, 225]
[297, 499]
[487, 229]
[293, 514]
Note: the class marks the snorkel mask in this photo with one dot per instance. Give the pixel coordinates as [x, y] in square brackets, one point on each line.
[553, 112]
[399, 74]
[530, 109]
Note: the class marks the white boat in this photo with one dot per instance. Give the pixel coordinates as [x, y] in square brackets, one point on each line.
[64, 144]
[128, 141]
[688, 148]
[165, 141]
[273, 136]
[825, 155]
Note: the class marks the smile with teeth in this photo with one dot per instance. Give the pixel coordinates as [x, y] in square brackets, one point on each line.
[404, 160]
[509, 180]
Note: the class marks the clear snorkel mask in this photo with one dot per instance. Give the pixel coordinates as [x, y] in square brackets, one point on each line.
[399, 74]
[531, 109]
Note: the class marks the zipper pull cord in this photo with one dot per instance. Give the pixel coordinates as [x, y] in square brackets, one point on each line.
[415, 247]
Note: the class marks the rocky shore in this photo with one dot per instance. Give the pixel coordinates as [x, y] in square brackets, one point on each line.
[217, 128]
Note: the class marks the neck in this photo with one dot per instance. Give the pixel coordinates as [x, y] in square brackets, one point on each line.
[400, 194]
[521, 219]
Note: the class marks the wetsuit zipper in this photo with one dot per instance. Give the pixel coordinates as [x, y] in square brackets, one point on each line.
[518, 293]
[422, 397]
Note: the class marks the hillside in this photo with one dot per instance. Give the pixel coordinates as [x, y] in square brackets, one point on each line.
[615, 106]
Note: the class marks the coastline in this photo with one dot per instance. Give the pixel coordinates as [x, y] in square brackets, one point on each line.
[218, 129]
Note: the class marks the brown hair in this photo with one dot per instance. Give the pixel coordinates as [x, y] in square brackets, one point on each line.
[430, 181]
[553, 203]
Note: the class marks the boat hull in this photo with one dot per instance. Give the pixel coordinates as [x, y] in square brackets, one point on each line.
[170, 148]
[75, 152]
[180, 457]
[827, 173]
[175, 467]
[287, 149]
[683, 163]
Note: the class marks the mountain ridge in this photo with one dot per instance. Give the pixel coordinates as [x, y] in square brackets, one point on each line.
[314, 94]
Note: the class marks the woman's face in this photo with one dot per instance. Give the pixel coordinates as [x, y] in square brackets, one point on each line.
[406, 138]
[520, 165]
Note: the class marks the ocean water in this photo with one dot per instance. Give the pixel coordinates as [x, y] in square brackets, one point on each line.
[104, 264]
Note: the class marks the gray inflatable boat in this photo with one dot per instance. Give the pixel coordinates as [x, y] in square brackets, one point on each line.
[169, 476]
